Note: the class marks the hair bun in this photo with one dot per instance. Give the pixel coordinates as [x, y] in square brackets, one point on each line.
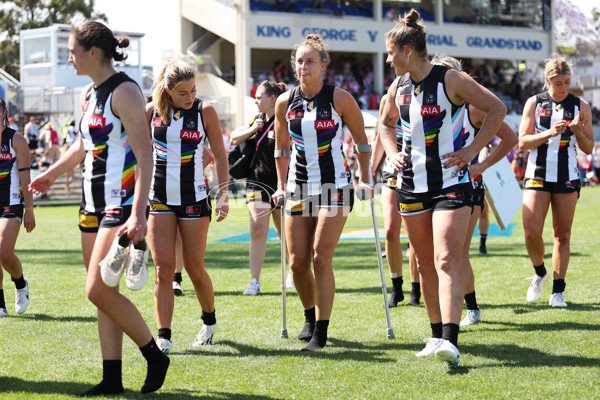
[412, 19]
[122, 42]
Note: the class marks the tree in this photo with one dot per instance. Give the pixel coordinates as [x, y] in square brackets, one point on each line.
[575, 32]
[17, 15]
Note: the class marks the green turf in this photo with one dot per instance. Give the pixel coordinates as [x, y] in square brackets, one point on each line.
[519, 351]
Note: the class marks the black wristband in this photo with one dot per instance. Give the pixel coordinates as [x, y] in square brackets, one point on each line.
[24, 169]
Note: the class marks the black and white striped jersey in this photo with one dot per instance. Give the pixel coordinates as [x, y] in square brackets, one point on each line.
[109, 165]
[316, 133]
[432, 126]
[10, 182]
[178, 177]
[556, 159]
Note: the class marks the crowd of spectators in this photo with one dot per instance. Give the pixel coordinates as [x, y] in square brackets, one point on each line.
[355, 74]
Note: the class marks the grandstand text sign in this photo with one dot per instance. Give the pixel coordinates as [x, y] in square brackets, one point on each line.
[368, 37]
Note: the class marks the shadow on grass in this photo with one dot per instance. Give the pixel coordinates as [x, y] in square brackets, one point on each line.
[235, 256]
[563, 326]
[512, 355]
[17, 385]
[349, 351]
[262, 293]
[64, 318]
[522, 308]
[51, 256]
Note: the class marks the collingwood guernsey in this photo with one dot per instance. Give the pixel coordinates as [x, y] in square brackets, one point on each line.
[178, 177]
[555, 160]
[432, 126]
[109, 164]
[316, 132]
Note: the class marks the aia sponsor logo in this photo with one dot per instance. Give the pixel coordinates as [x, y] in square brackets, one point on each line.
[293, 114]
[156, 121]
[190, 135]
[403, 99]
[6, 156]
[430, 110]
[324, 124]
[544, 113]
[97, 122]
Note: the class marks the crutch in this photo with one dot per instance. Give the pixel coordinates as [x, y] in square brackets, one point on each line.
[284, 333]
[361, 195]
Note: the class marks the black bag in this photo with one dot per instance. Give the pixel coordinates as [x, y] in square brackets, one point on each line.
[240, 159]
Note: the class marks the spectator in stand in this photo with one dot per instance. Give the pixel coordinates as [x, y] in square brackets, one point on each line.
[52, 143]
[31, 135]
[12, 124]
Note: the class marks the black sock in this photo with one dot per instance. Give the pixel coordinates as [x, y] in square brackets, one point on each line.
[164, 333]
[19, 282]
[158, 364]
[397, 295]
[309, 325]
[319, 337]
[482, 239]
[471, 301]
[540, 270]
[2, 303]
[436, 330]
[177, 277]
[558, 286]
[209, 318]
[450, 332]
[112, 381]
[397, 284]
[415, 288]
[415, 293]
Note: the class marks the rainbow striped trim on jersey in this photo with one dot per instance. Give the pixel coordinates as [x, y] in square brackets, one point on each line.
[178, 177]
[109, 164]
[10, 181]
[469, 133]
[315, 129]
[555, 160]
[432, 126]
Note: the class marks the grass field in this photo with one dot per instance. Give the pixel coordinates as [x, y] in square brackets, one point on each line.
[519, 351]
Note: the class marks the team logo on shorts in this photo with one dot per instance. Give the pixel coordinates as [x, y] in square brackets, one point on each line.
[192, 210]
[88, 221]
[406, 208]
[337, 197]
[534, 183]
[294, 206]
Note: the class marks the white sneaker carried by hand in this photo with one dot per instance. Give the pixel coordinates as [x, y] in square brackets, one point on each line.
[113, 265]
[136, 273]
